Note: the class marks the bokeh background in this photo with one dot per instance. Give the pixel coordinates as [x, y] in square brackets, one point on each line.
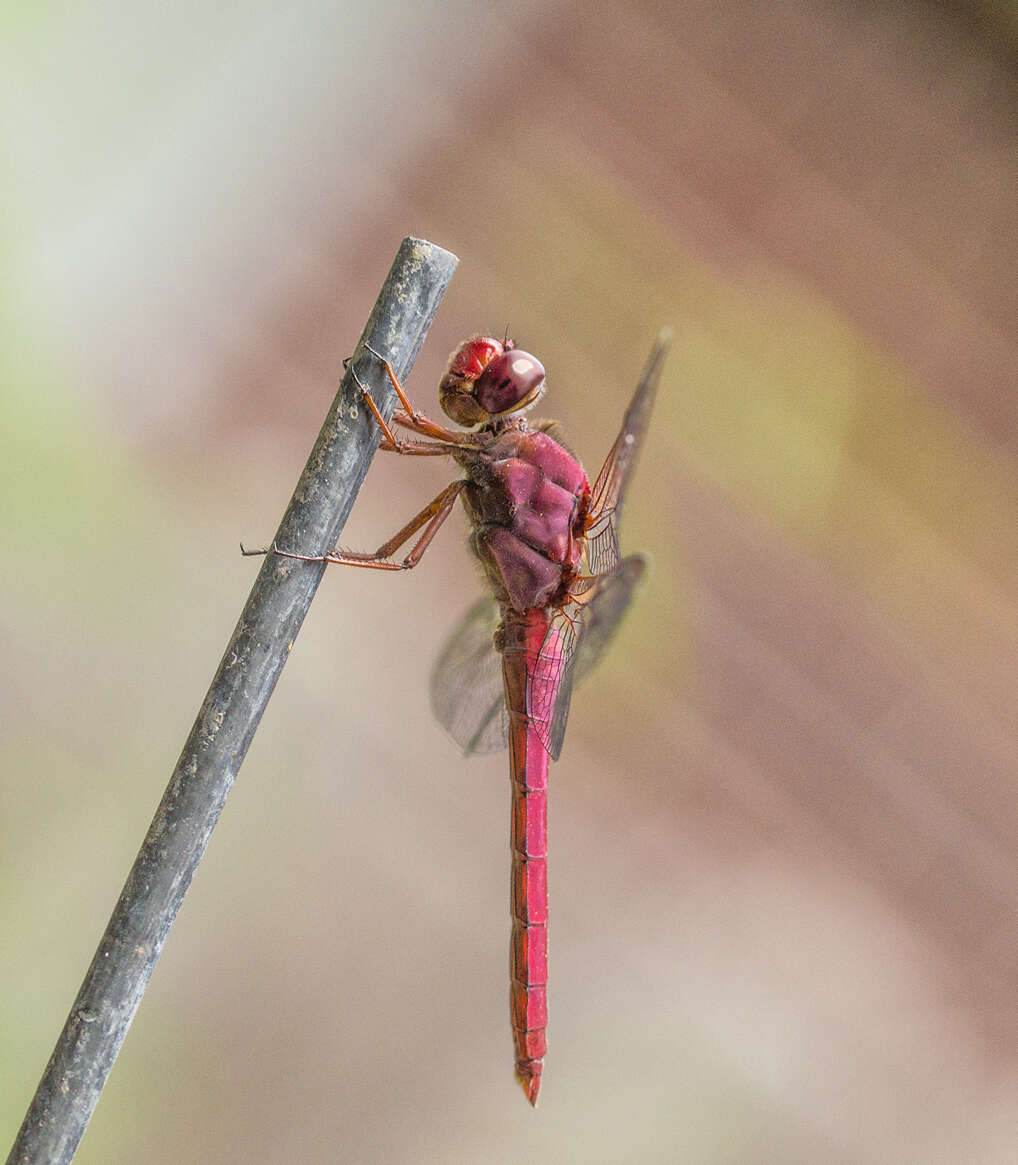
[784, 871]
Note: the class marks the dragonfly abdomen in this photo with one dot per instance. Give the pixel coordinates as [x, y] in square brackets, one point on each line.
[528, 963]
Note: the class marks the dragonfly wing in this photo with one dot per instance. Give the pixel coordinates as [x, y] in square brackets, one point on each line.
[550, 681]
[467, 692]
[574, 642]
[603, 613]
[606, 496]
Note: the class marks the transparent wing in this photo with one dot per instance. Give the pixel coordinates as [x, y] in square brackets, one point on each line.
[606, 496]
[575, 641]
[467, 693]
[604, 613]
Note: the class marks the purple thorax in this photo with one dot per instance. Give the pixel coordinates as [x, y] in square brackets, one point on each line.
[527, 500]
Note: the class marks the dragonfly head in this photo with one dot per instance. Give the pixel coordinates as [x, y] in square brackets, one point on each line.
[488, 378]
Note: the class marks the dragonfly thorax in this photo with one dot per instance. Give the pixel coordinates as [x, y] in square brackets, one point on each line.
[489, 378]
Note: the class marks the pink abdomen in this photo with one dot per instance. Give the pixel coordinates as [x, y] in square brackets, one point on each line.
[528, 990]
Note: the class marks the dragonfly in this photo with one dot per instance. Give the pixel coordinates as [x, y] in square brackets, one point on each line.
[558, 587]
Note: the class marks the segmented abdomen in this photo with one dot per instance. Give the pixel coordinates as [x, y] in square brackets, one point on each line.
[528, 962]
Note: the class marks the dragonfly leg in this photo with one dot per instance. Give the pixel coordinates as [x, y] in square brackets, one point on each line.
[431, 518]
[417, 448]
[408, 408]
[390, 441]
[411, 418]
[419, 423]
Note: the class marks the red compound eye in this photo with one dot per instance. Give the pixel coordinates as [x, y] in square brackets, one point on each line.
[472, 357]
[510, 381]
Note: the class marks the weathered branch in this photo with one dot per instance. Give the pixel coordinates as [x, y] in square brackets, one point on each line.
[226, 723]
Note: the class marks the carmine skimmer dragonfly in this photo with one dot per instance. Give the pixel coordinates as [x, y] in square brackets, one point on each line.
[548, 542]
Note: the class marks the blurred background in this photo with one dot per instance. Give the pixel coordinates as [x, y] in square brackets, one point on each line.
[784, 865]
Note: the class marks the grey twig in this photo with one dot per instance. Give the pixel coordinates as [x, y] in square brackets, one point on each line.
[183, 823]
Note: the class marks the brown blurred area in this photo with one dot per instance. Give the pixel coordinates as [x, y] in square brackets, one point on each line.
[784, 865]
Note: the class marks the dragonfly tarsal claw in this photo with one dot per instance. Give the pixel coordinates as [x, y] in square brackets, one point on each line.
[360, 383]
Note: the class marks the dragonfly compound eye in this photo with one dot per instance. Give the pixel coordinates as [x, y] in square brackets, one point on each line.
[456, 388]
[511, 381]
[472, 357]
